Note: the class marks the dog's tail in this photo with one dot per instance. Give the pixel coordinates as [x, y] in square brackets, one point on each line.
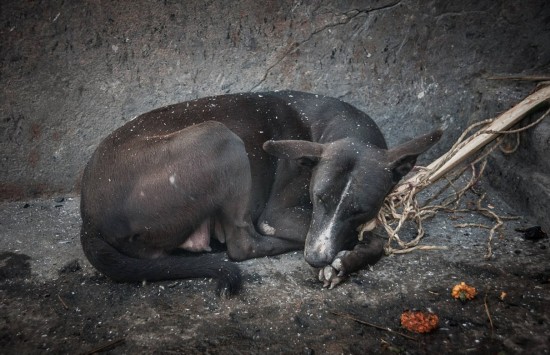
[120, 267]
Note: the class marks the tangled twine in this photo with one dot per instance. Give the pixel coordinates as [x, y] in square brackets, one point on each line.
[402, 204]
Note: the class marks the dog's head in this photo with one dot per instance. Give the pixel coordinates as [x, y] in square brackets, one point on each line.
[349, 182]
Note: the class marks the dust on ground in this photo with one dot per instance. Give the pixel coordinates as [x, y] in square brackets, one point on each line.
[53, 301]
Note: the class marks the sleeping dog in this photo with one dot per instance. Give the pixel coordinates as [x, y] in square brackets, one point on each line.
[263, 173]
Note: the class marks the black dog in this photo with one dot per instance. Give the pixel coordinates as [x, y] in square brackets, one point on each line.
[264, 173]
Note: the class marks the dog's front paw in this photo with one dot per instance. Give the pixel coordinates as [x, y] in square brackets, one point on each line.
[333, 274]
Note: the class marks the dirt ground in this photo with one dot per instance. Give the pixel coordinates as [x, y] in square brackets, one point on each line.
[53, 301]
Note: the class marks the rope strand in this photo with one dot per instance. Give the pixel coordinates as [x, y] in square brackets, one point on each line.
[402, 205]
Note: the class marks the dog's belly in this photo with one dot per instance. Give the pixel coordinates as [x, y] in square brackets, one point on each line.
[199, 240]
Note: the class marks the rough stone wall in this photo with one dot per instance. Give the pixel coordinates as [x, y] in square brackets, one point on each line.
[72, 71]
[524, 176]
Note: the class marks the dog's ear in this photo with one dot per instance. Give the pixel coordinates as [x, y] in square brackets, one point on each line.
[305, 152]
[403, 157]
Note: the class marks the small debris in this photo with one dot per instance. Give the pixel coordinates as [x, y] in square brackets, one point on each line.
[387, 329]
[419, 322]
[107, 346]
[70, 267]
[59, 202]
[463, 292]
[62, 302]
[532, 233]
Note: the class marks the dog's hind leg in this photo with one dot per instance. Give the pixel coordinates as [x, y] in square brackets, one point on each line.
[243, 241]
[288, 211]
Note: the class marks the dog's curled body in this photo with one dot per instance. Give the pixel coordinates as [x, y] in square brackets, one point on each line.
[264, 173]
[151, 199]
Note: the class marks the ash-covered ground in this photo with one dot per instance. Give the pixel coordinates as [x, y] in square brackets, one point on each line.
[53, 301]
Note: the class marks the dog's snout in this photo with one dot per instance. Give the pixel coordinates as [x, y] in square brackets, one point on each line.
[316, 259]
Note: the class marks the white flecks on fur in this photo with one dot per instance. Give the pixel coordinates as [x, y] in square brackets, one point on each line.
[172, 179]
[326, 234]
[142, 194]
[267, 229]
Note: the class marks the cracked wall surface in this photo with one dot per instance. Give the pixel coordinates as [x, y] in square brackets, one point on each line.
[72, 71]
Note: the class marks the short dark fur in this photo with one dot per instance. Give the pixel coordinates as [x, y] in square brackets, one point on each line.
[263, 172]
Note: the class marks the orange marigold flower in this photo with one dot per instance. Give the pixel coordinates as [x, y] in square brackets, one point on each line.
[463, 292]
[419, 322]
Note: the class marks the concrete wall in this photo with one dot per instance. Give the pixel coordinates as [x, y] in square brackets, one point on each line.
[72, 71]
